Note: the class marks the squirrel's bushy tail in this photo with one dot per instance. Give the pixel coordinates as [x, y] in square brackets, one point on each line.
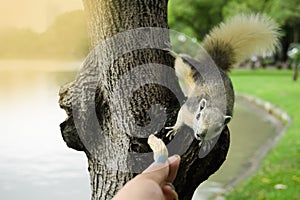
[241, 37]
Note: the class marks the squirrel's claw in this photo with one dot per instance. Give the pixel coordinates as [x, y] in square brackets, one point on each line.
[172, 132]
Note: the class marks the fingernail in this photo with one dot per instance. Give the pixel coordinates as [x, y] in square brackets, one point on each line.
[174, 158]
[171, 186]
[161, 159]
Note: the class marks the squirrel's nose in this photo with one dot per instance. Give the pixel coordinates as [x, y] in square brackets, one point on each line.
[202, 134]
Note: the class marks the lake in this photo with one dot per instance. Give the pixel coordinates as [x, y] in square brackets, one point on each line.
[35, 162]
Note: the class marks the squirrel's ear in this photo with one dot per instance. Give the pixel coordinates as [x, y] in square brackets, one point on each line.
[227, 119]
[185, 76]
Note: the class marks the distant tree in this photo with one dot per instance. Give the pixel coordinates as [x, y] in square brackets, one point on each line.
[67, 37]
[17, 43]
[234, 7]
[287, 13]
[195, 17]
[294, 54]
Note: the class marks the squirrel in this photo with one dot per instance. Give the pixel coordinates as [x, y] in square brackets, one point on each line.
[204, 81]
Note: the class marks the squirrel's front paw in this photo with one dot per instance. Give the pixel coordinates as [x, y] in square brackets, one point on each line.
[172, 132]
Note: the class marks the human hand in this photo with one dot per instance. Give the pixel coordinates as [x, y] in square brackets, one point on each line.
[155, 183]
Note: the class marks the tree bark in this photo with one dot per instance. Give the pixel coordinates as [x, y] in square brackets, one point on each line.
[296, 31]
[295, 75]
[126, 91]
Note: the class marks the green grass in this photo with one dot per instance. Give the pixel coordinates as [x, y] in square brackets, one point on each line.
[282, 164]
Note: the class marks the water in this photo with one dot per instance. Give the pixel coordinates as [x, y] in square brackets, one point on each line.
[35, 162]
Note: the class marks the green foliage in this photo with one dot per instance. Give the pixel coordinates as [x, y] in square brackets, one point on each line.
[195, 17]
[282, 164]
[235, 7]
[66, 38]
[286, 12]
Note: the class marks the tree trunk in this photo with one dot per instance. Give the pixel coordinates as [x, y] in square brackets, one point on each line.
[296, 41]
[296, 31]
[126, 91]
[296, 69]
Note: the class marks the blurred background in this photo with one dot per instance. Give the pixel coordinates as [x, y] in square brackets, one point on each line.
[42, 45]
[52, 29]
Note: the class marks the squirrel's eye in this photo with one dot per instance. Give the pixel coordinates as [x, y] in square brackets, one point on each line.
[202, 104]
[201, 107]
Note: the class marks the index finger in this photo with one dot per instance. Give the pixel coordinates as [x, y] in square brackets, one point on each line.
[174, 163]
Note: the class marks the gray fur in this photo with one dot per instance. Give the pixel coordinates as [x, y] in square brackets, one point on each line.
[212, 85]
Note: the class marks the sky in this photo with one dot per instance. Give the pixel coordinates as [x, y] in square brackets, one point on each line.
[35, 14]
